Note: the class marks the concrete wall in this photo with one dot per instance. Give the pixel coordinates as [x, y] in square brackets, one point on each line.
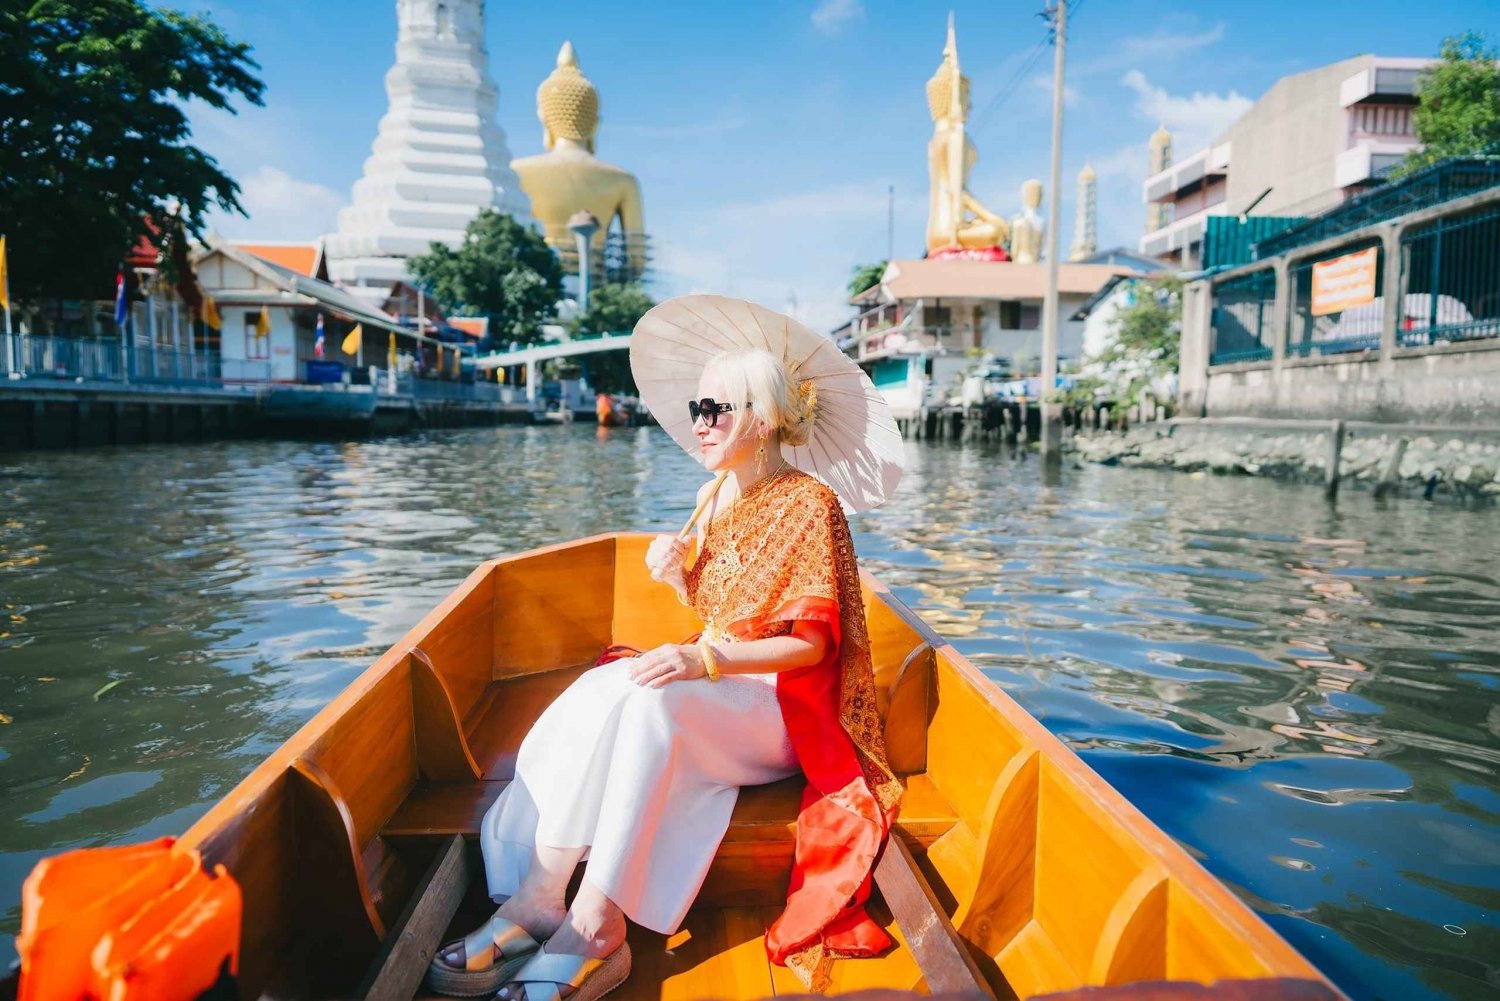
[1288, 141]
[1443, 383]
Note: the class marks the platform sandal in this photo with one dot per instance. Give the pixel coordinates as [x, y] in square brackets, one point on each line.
[493, 952]
[590, 978]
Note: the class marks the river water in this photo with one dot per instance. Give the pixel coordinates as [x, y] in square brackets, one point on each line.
[1306, 696]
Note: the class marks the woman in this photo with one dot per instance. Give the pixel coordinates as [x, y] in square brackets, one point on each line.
[780, 680]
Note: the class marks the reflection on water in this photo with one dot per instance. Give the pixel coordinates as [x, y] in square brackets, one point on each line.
[1304, 696]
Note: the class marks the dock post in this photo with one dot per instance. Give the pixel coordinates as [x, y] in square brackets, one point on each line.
[1391, 474]
[1335, 450]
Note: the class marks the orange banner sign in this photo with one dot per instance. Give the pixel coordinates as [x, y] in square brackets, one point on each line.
[1344, 282]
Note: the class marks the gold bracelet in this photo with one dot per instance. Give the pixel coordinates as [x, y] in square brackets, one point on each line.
[706, 655]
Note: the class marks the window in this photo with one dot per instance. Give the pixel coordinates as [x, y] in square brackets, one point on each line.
[1031, 317]
[256, 348]
[1010, 316]
[938, 318]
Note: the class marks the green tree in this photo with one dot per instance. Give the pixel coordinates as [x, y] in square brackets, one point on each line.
[613, 309]
[94, 141]
[1459, 103]
[1144, 341]
[866, 275]
[503, 270]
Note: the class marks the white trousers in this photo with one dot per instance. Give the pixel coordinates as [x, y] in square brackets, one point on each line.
[644, 778]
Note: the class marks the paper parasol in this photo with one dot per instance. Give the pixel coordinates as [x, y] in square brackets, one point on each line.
[855, 446]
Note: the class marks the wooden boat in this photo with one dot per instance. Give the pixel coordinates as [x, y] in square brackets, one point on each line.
[1014, 865]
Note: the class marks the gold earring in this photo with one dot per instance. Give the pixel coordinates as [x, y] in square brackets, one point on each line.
[760, 457]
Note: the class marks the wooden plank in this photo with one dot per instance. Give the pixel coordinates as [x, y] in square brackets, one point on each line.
[1002, 897]
[369, 752]
[404, 956]
[506, 711]
[443, 753]
[909, 711]
[440, 809]
[1083, 866]
[762, 814]
[646, 612]
[554, 607]
[718, 953]
[942, 955]
[335, 917]
[462, 644]
[1133, 945]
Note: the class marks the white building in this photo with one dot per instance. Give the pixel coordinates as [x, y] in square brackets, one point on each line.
[439, 159]
[928, 321]
[1311, 141]
[243, 286]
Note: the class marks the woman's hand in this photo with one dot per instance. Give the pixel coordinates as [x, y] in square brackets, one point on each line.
[665, 558]
[666, 664]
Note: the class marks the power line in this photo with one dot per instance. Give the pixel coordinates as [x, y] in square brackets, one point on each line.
[1028, 63]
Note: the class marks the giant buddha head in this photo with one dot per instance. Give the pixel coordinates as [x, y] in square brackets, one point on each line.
[567, 103]
[940, 87]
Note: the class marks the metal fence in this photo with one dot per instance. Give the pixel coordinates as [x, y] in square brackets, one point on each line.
[438, 389]
[1243, 320]
[177, 368]
[1450, 271]
[93, 360]
[64, 358]
[1441, 182]
[1355, 329]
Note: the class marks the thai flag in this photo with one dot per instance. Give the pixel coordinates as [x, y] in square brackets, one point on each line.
[120, 298]
[318, 344]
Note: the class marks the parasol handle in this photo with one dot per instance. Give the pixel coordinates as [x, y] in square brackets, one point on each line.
[698, 511]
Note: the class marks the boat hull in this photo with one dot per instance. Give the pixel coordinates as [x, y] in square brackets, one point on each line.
[1053, 880]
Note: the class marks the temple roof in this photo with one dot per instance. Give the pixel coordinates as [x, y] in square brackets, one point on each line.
[956, 279]
[303, 258]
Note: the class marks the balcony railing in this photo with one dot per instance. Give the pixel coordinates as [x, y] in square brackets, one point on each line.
[902, 340]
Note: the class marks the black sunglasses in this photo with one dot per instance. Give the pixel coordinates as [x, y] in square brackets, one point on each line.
[709, 410]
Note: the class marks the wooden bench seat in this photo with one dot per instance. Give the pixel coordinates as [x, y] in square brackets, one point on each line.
[761, 831]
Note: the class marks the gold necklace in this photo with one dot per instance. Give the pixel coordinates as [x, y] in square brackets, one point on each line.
[732, 540]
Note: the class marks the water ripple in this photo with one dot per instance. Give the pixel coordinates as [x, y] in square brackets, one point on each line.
[1306, 697]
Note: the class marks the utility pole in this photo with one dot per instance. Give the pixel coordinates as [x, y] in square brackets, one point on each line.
[1051, 410]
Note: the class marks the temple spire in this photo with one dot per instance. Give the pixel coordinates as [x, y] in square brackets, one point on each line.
[423, 181]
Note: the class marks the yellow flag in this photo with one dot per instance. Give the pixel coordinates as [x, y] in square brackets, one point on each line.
[263, 325]
[391, 353]
[211, 317]
[351, 342]
[4, 277]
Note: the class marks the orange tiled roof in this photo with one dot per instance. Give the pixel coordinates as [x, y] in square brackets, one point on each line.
[474, 326]
[299, 257]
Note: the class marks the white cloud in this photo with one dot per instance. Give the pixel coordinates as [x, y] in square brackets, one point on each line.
[1166, 44]
[280, 207]
[830, 16]
[1043, 82]
[1195, 120]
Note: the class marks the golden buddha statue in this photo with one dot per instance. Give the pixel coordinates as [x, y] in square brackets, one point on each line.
[1027, 228]
[568, 178]
[956, 219]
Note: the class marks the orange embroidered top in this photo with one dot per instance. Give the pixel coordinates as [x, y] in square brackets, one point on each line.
[785, 554]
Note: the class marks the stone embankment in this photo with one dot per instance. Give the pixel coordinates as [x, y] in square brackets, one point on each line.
[1432, 464]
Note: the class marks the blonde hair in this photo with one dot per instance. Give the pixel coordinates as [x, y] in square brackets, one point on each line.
[757, 379]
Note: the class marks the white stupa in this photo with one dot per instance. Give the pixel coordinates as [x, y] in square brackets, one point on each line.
[440, 157]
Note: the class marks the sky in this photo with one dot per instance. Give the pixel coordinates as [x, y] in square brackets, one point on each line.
[767, 135]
